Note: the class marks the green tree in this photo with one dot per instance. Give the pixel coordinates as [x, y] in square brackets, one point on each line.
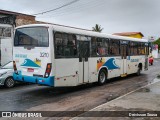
[97, 28]
[157, 42]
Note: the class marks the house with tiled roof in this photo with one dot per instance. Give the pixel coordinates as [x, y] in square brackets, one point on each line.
[131, 34]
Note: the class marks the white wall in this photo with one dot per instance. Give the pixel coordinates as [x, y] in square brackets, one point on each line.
[6, 50]
[155, 53]
[6, 46]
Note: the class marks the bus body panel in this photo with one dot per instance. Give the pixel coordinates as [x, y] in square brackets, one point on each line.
[71, 71]
[133, 62]
[31, 62]
[66, 73]
[112, 64]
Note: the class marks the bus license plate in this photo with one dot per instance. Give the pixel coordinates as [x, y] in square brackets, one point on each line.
[30, 70]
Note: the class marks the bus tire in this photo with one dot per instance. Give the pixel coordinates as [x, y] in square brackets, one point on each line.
[102, 77]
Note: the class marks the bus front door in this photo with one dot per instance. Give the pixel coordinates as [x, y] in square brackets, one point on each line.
[84, 52]
[124, 60]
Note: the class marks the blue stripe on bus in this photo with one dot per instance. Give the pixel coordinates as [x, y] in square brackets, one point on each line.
[32, 79]
[110, 64]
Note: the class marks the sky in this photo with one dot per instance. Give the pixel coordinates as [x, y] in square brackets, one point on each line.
[114, 16]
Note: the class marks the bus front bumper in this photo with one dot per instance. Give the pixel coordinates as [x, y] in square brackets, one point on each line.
[33, 79]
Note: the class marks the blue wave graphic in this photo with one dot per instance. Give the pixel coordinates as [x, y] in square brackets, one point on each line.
[29, 63]
[110, 64]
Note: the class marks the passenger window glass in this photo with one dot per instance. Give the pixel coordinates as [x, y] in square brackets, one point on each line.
[32, 36]
[99, 46]
[133, 48]
[114, 47]
[65, 45]
[94, 46]
[141, 49]
[84, 44]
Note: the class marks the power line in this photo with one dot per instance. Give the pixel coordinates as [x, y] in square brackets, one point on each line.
[69, 9]
[67, 4]
[77, 9]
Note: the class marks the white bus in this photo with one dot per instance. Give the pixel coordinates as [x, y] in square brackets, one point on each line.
[6, 43]
[60, 56]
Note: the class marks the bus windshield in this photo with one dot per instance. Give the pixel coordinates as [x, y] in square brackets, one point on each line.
[32, 36]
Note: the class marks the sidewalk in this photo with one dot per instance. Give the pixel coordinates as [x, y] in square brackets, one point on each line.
[144, 99]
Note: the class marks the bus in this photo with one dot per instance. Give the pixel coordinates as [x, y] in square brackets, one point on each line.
[6, 43]
[62, 56]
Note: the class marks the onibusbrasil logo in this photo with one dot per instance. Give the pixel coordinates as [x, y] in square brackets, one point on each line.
[21, 114]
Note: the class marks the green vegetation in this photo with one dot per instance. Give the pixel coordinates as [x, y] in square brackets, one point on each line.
[97, 28]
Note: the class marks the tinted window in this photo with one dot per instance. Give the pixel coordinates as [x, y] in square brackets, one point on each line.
[133, 48]
[141, 48]
[94, 46]
[83, 45]
[32, 36]
[99, 46]
[65, 45]
[114, 47]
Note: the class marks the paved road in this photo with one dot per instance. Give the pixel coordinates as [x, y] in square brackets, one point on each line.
[83, 98]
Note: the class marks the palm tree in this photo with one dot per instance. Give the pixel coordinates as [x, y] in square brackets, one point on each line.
[97, 28]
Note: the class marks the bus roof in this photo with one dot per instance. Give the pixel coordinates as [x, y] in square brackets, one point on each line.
[79, 31]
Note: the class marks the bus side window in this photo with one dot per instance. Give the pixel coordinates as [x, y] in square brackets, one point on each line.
[99, 46]
[58, 44]
[114, 47]
[94, 46]
[102, 46]
[72, 44]
[133, 48]
[65, 45]
[141, 49]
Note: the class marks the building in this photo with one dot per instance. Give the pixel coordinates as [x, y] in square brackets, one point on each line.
[15, 19]
[8, 21]
[131, 34]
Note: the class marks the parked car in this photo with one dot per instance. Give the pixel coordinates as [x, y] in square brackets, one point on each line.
[6, 75]
[151, 59]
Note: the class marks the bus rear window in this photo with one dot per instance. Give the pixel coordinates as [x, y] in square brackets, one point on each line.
[32, 36]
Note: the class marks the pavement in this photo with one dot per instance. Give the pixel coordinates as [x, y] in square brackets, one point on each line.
[121, 95]
[140, 104]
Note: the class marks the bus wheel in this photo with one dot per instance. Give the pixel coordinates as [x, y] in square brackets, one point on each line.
[102, 77]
